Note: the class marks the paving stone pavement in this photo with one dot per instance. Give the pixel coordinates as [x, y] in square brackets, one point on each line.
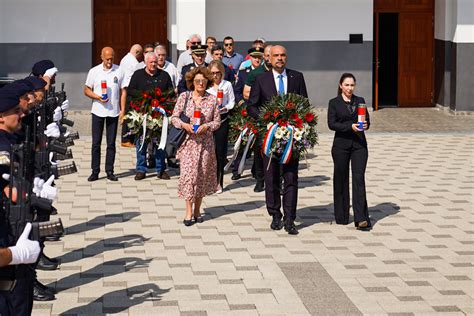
[127, 252]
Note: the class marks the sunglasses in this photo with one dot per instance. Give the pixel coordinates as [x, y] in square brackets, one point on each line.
[228, 44]
[216, 73]
[195, 43]
[200, 81]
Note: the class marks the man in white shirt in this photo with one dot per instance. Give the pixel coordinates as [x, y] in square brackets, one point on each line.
[104, 85]
[186, 57]
[128, 65]
[165, 65]
[129, 62]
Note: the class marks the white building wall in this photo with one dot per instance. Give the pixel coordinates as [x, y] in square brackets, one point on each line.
[283, 20]
[46, 21]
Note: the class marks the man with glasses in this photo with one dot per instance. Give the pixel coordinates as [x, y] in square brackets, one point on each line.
[199, 56]
[217, 54]
[210, 42]
[231, 58]
[186, 57]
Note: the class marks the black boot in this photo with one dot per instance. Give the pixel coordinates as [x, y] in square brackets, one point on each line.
[45, 264]
[41, 295]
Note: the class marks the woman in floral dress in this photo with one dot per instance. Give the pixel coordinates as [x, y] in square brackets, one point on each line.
[197, 156]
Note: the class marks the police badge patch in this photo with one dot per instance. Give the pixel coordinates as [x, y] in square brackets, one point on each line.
[115, 80]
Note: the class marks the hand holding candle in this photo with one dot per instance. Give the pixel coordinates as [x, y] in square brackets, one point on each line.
[196, 119]
[361, 113]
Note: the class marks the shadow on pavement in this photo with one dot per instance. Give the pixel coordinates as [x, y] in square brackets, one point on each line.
[120, 300]
[218, 211]
[103, 245]
[309, 216]
[304, 182]
[105, 269]
[101, 221]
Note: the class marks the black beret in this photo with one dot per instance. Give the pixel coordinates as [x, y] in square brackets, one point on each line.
[198, 49]
[40, 67]
[255, 51]
[8, 100]
[37, 83]
[19, 87]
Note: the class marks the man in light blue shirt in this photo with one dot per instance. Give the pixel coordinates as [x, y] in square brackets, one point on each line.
[231, 59]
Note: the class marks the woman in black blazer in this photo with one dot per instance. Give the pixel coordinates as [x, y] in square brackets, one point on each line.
[349, 145]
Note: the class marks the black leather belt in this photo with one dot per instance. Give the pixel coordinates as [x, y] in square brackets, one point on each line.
[7, 285]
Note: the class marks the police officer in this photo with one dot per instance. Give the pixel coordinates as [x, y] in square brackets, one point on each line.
[45, 70]
[256, 56]
[199, 56]
[24, 90]
[258, 158]
[16, 286]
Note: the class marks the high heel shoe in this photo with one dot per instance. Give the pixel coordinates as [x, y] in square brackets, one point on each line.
[188, 222]
[198, 219]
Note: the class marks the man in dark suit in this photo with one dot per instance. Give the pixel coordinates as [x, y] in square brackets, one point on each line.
[282, 81]
[199, 56]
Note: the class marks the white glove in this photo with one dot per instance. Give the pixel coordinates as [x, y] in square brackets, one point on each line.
[65, 105]
[25, 250]
[58, 115]
[51, 156]
[52, 130]
[50, 72]
[49, 192]
[37, 185]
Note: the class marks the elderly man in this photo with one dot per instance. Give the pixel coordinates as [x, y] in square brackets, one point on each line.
[186, 57]
[149, 78]
[279, 80]
[231, 58]
[165, 65]
[198, 54]
[259, 42]
[107, 105]
[129, 64]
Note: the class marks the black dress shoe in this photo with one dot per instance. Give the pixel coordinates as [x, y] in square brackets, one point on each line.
[199, 219]
[53, 260]
[259, 187]
[45, 288]
[188, 222]
[276, 224]
[93, 177]
[111, 176]
[291, 229]
[41, 295]
[45, 264]
[236, 176]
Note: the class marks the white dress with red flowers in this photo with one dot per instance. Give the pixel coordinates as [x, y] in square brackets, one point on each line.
[197, 156]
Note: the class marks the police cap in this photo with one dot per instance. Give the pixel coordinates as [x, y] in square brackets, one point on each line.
[19, 87]
[40, 67]
[255, 51]
[37, 82]
[8, 100]
[198, 49]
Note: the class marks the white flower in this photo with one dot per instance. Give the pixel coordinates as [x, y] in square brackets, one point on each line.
[297, 130]
[283, 129]
[306, 128]
[278, 134]
[297, 136]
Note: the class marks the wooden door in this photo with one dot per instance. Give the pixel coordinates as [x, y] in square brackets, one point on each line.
[415, 51]
[122, 23]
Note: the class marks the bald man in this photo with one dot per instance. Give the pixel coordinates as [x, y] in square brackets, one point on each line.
[107, 106]
[128, 65]
[279, 80]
